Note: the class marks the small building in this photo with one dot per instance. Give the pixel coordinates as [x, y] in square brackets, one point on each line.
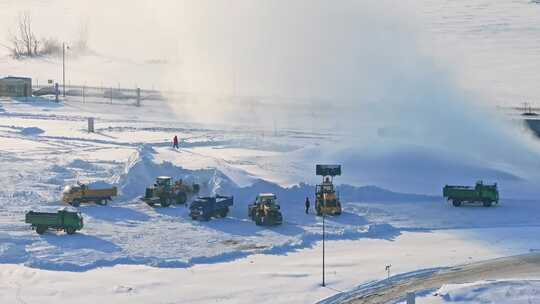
[15, 87]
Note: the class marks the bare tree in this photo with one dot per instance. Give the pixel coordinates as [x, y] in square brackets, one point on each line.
[23, 40]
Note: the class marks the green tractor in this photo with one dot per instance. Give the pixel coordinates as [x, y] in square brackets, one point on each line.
[265, 211]
[165, 193]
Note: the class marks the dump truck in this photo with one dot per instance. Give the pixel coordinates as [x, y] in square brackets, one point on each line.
[62, 220]
[265, 210]
[74, 195]
[480, 193]
[165, 193]
[204, 208]
[326, 197]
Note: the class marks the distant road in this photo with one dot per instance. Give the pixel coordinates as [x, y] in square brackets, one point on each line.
[502, 268]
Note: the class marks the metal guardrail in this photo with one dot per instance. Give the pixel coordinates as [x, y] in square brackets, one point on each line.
[99, 92]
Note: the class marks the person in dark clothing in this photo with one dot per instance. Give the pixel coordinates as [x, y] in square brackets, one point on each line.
[175, 142]
[307, 205]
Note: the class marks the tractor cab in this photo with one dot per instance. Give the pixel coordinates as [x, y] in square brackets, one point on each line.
[267, 199]
[163, 181]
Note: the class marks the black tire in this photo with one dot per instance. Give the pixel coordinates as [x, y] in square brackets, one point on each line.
[164, 201]
[70, 230]
[258, 220]
[456, 203]
[487, 203]
[223, 212]
[181, 198]
[41, 229]
[76, 203]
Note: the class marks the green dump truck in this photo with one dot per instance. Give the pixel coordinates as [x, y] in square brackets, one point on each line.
[480, 193]
[61, 220]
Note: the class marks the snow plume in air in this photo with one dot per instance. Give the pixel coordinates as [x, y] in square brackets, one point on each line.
[367, 69]
[362, 68]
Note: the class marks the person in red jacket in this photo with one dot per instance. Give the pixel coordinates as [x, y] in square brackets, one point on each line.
[175, 142]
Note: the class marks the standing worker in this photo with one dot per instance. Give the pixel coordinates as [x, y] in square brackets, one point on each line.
[175, 142]
[307, 205]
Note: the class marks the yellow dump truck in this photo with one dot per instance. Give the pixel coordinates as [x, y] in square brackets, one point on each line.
[81, 193]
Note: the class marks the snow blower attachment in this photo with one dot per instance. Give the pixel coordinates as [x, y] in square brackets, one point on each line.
[166, 193]
[265, 211]
[326, 198]
[481, 193]
[204, 208]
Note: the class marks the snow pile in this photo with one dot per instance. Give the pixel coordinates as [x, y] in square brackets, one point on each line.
[504, 291]
[141, 171]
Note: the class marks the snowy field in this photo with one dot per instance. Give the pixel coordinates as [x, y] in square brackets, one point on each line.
[406, 125]
[46, 147]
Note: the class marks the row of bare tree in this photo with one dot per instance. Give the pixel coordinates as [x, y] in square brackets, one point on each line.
[24, 43]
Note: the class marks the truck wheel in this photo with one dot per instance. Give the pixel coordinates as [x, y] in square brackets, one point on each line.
[456, 203]
[487, 203]
[223, 212]
[165, 203]
[70, 230]
[181, 198]
[258, 221]
[76, 203]
[41, 229]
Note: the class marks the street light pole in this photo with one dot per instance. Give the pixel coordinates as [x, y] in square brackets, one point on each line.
[323, 250]
[64, 69]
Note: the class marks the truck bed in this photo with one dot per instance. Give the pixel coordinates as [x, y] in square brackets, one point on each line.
[43, 218]
[100, 192]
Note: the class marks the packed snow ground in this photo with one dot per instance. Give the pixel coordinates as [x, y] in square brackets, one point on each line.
[46, 151]
[497, 291]
[294, 277]
[253, 144]
[45, 146]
